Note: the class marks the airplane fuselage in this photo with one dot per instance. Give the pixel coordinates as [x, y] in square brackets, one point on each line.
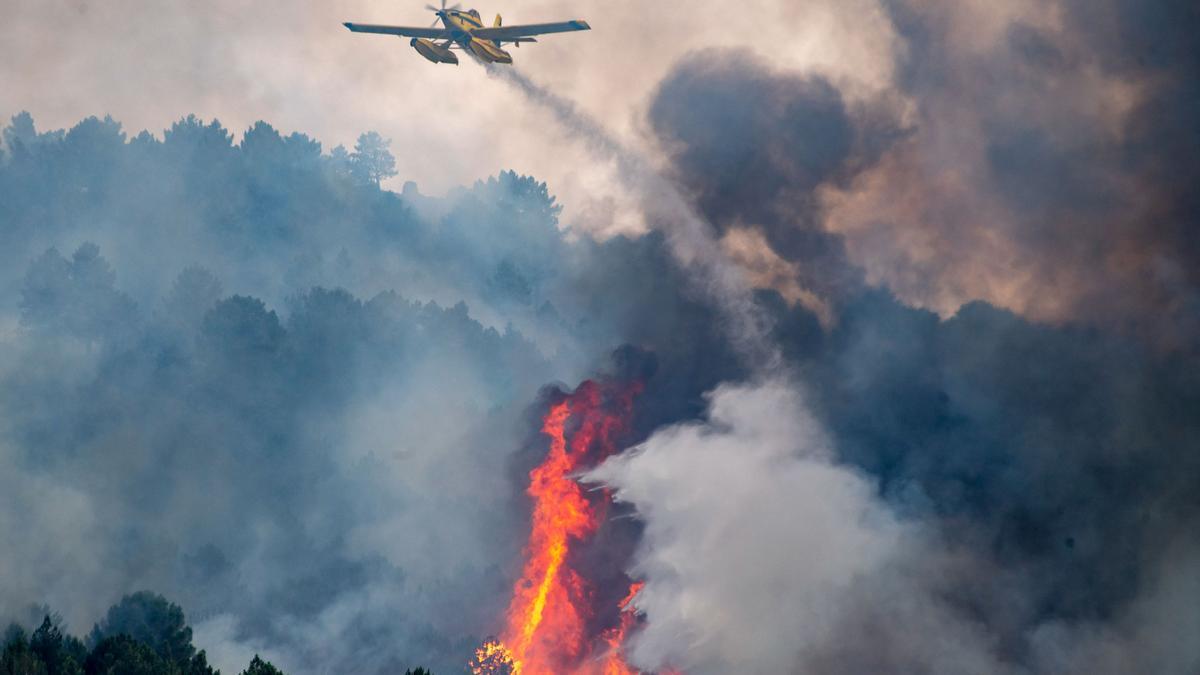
[460, 25]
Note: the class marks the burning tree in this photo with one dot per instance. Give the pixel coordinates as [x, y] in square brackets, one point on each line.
[547, 628]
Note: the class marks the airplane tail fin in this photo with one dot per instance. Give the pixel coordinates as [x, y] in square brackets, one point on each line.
[497, 24]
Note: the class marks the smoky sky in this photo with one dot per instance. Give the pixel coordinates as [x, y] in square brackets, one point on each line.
[302, 406]
[1046, 166]
[753, 145]
[1054, 459]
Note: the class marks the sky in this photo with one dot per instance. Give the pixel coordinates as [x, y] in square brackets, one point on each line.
[912, 288]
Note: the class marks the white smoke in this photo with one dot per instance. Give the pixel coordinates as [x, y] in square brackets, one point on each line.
[762, 556]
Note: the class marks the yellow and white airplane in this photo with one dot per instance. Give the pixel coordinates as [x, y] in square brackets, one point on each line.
[465, 30]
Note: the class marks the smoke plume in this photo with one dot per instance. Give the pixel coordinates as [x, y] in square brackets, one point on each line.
[690, 237]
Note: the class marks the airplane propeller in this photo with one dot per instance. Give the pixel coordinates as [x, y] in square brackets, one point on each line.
[443, 7]
[440, 10]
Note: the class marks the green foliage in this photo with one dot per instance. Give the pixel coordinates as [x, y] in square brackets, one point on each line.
[21, 133]
[18, 658]
[199, 666]
[260, 667]
[143, 634]
[151, 620]
[195, 291]
[371, 161]
[242, 328]
[62, 655]
[74, 297]
[123, 655]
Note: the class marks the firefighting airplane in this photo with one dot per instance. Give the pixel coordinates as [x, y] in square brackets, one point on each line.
[465, 30]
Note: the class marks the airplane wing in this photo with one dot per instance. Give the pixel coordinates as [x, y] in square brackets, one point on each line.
[513, 32]
[405, 31]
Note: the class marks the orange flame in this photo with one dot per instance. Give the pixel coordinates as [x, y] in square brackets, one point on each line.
[546, 623]
[614, 638]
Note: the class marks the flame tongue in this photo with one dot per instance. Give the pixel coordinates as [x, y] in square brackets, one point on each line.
[545, 626]
[560, 512]
[614, 638]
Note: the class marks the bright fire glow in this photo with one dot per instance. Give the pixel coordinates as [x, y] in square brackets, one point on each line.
[614, 638]
[546, 626]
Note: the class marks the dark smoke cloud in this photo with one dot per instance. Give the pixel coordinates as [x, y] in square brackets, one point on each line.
[753, 146]
[1058, 456]
[1050, 166]
[1041, 472]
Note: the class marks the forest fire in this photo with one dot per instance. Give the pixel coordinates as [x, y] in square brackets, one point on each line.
[549, 621]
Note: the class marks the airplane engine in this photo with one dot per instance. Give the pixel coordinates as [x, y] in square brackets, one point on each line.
[433, 51]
